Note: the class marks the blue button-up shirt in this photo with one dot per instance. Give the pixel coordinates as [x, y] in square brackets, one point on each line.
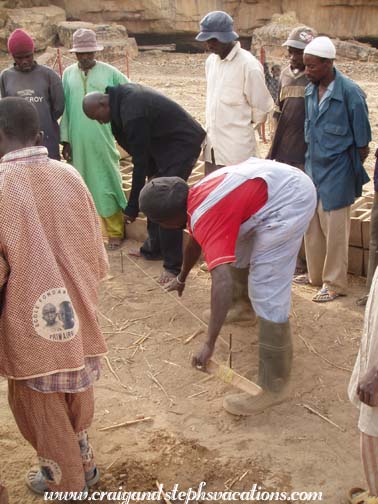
[334, 132]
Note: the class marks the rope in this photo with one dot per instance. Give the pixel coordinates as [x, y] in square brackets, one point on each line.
[165, 291]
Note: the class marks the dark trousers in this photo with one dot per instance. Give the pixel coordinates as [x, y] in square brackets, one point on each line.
[164, 243]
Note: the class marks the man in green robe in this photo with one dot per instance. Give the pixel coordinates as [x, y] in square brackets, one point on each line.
[87, 144]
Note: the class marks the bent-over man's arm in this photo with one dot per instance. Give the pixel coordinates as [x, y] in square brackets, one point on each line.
[221, 299]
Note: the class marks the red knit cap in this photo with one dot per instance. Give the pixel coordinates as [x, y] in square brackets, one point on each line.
[20, 42]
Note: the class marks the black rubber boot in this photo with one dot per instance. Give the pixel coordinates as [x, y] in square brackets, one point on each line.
[275, 358]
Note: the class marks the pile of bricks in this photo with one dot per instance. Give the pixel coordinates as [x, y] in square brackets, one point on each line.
[360, 235]
[138, 229]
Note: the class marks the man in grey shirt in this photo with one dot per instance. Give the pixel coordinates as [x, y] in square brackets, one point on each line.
[37, 84]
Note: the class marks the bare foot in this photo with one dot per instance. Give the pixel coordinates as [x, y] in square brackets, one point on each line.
[166, 277]
[134, 253]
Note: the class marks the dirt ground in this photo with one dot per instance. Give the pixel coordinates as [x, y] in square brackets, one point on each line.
[190, 438]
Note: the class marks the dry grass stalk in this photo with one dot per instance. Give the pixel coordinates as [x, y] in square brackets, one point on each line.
[157, 382]
[163, 494]
[126, 424]
[312, 410]
[194, 335]
[115, 374]
[197, 394]
[314, 351]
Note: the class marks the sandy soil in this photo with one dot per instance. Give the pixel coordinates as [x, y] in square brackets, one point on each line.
[190, 437]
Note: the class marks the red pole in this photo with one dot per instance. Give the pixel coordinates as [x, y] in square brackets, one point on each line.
[60, 63]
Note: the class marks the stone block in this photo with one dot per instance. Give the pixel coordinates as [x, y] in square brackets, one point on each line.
[40, 22]
[356, 261]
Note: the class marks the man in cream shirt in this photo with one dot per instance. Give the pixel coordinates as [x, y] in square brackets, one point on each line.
[237, 99]
[237, 96]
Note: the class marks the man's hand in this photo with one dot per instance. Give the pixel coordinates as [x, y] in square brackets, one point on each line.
[67, 151]
[363, 152]
[200, 360]
[176, 285]
[367, 389]
[129, 219]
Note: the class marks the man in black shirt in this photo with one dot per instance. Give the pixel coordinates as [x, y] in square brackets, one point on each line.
[163, 140]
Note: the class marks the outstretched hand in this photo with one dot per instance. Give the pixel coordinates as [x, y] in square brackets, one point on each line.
[176, 285]
[201, 359]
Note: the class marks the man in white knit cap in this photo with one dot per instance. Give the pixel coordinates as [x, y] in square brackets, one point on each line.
[337, 133]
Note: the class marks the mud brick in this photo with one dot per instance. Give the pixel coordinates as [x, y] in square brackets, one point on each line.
[356, 261]
[366, 262]
[356, 218]
[366, 231]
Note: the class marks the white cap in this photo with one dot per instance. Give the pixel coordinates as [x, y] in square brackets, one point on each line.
[322, 47]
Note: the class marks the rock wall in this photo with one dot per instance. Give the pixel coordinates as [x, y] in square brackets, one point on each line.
[338, 18]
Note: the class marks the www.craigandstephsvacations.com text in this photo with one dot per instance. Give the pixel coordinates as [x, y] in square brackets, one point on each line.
[121, 496]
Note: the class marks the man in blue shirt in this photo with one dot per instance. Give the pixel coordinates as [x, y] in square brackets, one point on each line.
[337, 133]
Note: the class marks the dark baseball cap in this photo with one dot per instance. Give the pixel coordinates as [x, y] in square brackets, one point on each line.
[218, 25]
[163, 198]
[300, 37]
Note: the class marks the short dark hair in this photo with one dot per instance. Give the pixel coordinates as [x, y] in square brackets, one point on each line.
[19, 119]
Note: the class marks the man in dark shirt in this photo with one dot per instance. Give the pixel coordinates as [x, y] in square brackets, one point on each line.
[36, 83]
[163, 140]
[288, 145]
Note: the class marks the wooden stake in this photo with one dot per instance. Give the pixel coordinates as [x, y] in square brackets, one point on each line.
[126, 424]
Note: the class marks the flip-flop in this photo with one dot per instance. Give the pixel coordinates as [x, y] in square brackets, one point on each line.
[95, 476]
[301, 280]
[358, 496]
[324, 295]
[163, 280]
[35, 481]
[362, 301]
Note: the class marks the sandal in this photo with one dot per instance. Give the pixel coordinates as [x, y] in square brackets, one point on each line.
[35, 481]
[301, 280]
[360, 496]
[325, 295]
[92, 477]
[362, 301]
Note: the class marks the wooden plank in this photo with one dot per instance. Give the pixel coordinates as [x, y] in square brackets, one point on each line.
[229, 376]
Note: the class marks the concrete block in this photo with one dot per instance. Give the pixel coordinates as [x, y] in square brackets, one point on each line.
[356, 261]
[366, 262]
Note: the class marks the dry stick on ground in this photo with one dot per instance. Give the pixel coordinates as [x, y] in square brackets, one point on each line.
[312, 410]
[173, 297]
[314, 351]
[115, 374]
[163, 494]
[194, 335]
[156, 381]
[126, 424]
[197, 394]
[107, 319]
